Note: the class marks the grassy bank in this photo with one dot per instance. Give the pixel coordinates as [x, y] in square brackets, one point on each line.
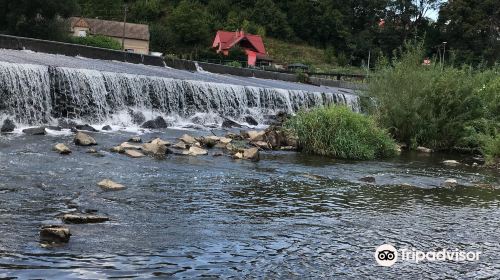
[441, 107]
[340, 133]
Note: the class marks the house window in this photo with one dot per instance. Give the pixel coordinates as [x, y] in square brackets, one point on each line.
[82, 33]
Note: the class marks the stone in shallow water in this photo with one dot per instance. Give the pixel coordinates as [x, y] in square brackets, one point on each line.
[154, 149]
[251, 154]
[83, 219]
[196, 151]
[227, 123]
[188, 139]
[424, 150]
[107, 128]
[450, 183]
[368, 179]
[62, 149]
[135, 139]
[8, 126]
[159, 141]
[451, 163]
[85, 127]
[55, 234]
[157, 123]
[110, 185]
[127, 145]
[82, 139]
[134, 154]
[256, 135]
[251, 120]
[35, 131]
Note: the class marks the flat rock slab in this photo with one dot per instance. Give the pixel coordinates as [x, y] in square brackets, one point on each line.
[134, 154]
[55, 234]
[35, 131]
[83, 219]
[109, 185]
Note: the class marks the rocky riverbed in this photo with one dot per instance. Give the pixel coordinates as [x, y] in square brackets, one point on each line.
[194, 206]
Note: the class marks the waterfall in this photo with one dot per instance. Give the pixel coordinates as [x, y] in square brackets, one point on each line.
[35, 94]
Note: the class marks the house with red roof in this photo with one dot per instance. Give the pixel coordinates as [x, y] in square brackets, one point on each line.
[252, 45]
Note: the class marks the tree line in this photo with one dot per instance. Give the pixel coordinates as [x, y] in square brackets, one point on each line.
[466, 31]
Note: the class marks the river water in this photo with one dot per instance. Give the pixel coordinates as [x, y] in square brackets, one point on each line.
[289, 216]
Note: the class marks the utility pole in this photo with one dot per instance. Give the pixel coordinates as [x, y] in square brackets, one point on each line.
[125, 10]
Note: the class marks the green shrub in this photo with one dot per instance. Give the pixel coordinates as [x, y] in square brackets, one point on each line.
[338, 132]
[97, 41]
[438, 106]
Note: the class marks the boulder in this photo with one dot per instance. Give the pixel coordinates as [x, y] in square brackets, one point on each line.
[227, 123]
[85, 127]
[234, 136]
[225, 140]
[251, 154]
[55, 234]
[82, 139]
[83, 219]
[137, 117]
[107, 128]
[135, 139]
[109, 185]
[157, 123]
[156, 150]
[251, 121]
[7, 126]
[134, 153]
[188, 139]
[62, 149]
[208, 142]
[35, 131]
[196, 151]
[451, 163]
[424, 150]
[450, 183]
[256, 135]
[55, 128]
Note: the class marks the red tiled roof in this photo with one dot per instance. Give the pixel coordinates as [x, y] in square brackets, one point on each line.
[225, 40]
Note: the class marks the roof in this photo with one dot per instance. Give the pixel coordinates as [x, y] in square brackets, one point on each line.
[225, 40]
[112, 28]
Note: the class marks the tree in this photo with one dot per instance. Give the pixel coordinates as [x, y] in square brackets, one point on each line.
[37, 18]
[472, 29]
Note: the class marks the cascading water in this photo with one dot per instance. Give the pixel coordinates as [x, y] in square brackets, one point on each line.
[39, 94]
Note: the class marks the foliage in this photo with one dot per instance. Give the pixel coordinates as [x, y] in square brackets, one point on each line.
[97, 41]
[438, 106]
[236, 64]
[338, 132]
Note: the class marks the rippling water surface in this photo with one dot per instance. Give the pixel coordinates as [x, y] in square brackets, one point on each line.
[288, 216]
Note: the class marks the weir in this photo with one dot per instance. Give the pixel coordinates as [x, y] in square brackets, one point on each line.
[39, 94]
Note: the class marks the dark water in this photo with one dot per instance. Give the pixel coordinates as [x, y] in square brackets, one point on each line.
[288, 216]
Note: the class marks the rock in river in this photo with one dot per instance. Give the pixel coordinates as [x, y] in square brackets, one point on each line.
[62, 149]
[109, 185]
[196, 151]
[153, 149]
[157, 123]
[424, 150]
[451, 163]
[8, 126]
[450, 183]
[368, 179]
[227, 123]
[134, 154]
[35, 131]
[55, 234]
[83, 219]
[82, 139]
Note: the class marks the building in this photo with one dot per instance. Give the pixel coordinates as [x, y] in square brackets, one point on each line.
[136, 35]
[252, 44]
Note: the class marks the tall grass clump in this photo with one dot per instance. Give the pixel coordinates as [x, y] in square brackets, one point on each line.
[438, 106]
[338, 132]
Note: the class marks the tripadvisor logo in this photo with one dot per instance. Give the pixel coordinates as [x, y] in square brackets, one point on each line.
[387, 255]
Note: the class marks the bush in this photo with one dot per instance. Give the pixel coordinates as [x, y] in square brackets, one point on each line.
[437, 106]
[236, 64]
[338, 132]
[97, 41]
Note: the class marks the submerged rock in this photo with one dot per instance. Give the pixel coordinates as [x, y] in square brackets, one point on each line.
[7, 126]
[451, 163]
[134, 153]
[109, 185]
[62, 149]
[55, 234]
[424, 150]
[135, 139]
[91, 151]
[157, 123]
[82, 139]
[251, 120]
[83, 219]
[137, 117]
[450, 183]
[35, 131]
[368, 179]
